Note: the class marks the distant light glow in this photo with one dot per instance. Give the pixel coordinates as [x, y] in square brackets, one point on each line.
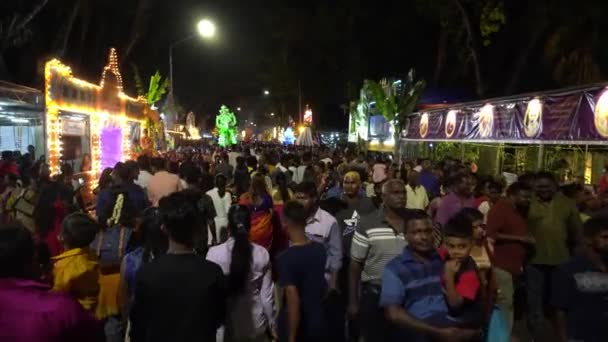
[206, 28]
[266, 92]
[17, 120]
[271, 114]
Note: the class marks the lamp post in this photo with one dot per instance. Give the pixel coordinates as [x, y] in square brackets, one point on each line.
[206, 30]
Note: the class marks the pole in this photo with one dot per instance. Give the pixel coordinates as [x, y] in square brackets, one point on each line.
[539, 161]
[171, 70]
[300, 101]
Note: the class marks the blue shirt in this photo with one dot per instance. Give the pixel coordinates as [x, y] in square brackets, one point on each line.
[416, 287]
[430, 182]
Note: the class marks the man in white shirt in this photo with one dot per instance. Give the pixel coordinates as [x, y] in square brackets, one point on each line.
[222, 200]
[143, 162]
[232, 155]
[417, 197]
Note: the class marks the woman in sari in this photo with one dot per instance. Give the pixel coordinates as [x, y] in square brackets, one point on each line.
[259, 203]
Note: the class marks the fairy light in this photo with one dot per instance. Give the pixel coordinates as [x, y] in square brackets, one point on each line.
[95, 109]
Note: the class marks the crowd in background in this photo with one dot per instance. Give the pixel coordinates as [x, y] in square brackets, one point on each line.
[267, 242]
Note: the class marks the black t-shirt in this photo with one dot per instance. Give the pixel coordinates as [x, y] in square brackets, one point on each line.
[304, 268]
[581, 290]
[178, 297]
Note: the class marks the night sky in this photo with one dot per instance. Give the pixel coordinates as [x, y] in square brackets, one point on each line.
[329, 47]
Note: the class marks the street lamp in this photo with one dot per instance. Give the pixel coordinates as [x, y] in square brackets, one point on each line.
[266, 92]
[271, 114]
[206, 30]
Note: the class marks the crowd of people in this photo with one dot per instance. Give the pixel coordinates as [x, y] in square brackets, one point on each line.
[267, 242]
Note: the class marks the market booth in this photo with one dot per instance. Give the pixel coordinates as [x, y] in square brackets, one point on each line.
[564, 120]
[21, 118]
[88, 119]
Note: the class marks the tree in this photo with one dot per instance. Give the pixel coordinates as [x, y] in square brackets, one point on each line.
[15, 18]
[396, 100]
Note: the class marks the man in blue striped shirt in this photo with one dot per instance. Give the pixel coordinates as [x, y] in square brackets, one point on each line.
[412, 294]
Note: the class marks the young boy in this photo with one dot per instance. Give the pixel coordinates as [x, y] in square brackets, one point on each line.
[301, 271]
[461, 280]
[76, 270]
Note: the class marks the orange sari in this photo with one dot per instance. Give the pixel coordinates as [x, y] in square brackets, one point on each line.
[261, 219]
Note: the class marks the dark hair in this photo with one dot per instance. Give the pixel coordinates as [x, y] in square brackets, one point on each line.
[571, 190]
[105, 180]
[458, 227]
[180, 217]
[595, 226]
[143, 162]
[469, 214]
[16, 251]
[252, 162]
[159, 163]
[192, 174]
[494, 185]
[133, 169]
[415, 215]
[547, 176]
[219, 177]
[258, 187]
[281, 181]
[128, 213]
[308, 188]
[239, 224]
[240, 161]
[78, 230]
[518, 187]
[122, 171]
[295, 213]
[155, 241]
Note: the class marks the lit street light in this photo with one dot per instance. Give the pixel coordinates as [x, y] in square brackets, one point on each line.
[238, 108]
[271, 114]
[206, 28]
[266, 92]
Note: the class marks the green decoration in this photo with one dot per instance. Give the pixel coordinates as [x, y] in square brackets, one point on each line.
[225, 123]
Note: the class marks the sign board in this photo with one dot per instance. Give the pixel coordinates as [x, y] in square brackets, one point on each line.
[73, 127]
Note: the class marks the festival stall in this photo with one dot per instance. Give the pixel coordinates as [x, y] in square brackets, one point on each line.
[21, 117]
[571, 118]
[88, 119]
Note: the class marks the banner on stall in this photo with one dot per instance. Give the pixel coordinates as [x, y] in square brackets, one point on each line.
[579, 116]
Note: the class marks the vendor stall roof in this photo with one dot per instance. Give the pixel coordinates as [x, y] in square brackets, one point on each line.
[566, 116]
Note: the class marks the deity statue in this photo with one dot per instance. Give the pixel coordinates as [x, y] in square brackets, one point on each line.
[225, 122]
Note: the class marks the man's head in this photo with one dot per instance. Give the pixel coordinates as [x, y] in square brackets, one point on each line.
[78, 230]
[419, 232]
[458, 237]
[220, 181]
[413, 178]
[595, 236]
[520, 194]
[294, 217]
[545, 186]
[462, 184]
[494, 191]
[306, 195]
[16, 251]
[143, 162]
[180, 218]
[351, 184]
[158, 164]
[133, 169]
[393, 194]
[121, 173]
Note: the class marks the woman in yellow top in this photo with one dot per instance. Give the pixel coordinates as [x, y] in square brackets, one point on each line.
[76, 270]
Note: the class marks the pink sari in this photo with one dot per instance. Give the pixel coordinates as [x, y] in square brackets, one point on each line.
[261, 220]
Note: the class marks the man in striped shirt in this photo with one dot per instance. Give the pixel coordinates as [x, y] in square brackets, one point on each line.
[378, 239]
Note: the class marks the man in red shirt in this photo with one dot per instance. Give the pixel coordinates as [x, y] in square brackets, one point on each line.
[508, 234]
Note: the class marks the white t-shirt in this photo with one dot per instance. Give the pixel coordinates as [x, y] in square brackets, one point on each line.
[143, 179]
